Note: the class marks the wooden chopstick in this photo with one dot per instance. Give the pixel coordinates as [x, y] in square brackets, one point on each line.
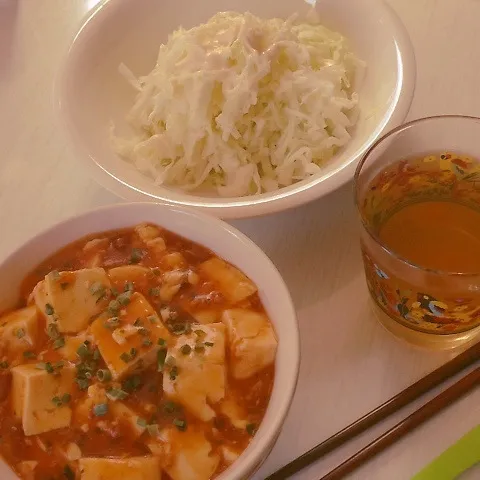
[414, 391]
[441, 401]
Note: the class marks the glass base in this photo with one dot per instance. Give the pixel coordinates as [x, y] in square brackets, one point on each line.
[430, 341]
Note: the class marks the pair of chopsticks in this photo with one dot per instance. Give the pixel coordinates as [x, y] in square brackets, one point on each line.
[427, 383]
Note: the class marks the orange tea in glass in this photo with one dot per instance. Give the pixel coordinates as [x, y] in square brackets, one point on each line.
[418, 196]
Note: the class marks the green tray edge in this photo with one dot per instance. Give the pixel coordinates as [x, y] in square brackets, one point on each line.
[455, 460]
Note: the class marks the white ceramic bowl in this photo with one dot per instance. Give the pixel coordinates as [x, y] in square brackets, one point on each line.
[226, 242]
[91, 92]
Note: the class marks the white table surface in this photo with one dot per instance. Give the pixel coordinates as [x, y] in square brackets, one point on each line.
[350, 364]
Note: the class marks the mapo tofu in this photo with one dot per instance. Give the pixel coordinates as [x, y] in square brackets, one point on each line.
[133, 354]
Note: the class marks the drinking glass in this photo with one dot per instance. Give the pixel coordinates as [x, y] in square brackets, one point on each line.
[427, 307]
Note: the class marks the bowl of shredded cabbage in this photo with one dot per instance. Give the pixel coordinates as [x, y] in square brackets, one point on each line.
[237, 107]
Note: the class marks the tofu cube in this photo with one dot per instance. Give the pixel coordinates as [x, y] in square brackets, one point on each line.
[252, 341]
[39, 297]
[71, 451]
[199, 358]
[147, 232]
[150, 235]
[188, 455]
[94, 251]
[19, 329]
[72, 299]
[235, 413]
[119, 411]
[229, 454]
[32, 392]
[131, 344]
[127, 416]
[27, 468]
[157, 246]
[232, 283]
[133, 468]
[173, 261]
[120, 276]
[69, 350]
[84, 408]
[172, 281]
[95, 245]
[207, 316]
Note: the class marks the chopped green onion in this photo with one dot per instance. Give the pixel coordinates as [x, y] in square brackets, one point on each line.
[186, 349]
[154, 292]
[20, 333]
[169, 407]
[82, 350]
[136, 255]
[116, 394]
[104, 375]
[180, 328]
[170, 361]
[200, 333]
[48, 366]
[114, 307]
[161, 355]
[132, 383]
[29, 354]
[152, 319]
[209, 344]
[161, 342]
[66, 397]
[4, 364]
[141, 422]
[55, 274]
[57, 401]
[124, 298]
[111, 323]
[147, 342]
[125, 357]
[68, 473]
[59, 343]
[156, 271]
[180, 424]
[129, 287]
[138, 322]
[95, 287]
[82, 383]
[49, 309]
[98, 289]
[52, 331]
[96, 355]
[133, 353]
[152, 429]
[251, 429]
[100, 409]
[173, 373]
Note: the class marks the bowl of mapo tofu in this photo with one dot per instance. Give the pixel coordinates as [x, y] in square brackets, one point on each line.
[142, 342]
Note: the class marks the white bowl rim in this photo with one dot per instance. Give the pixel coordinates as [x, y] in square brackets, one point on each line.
[265, 203]
[257, 450]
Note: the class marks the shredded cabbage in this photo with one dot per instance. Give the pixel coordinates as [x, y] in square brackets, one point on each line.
[242, 105]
